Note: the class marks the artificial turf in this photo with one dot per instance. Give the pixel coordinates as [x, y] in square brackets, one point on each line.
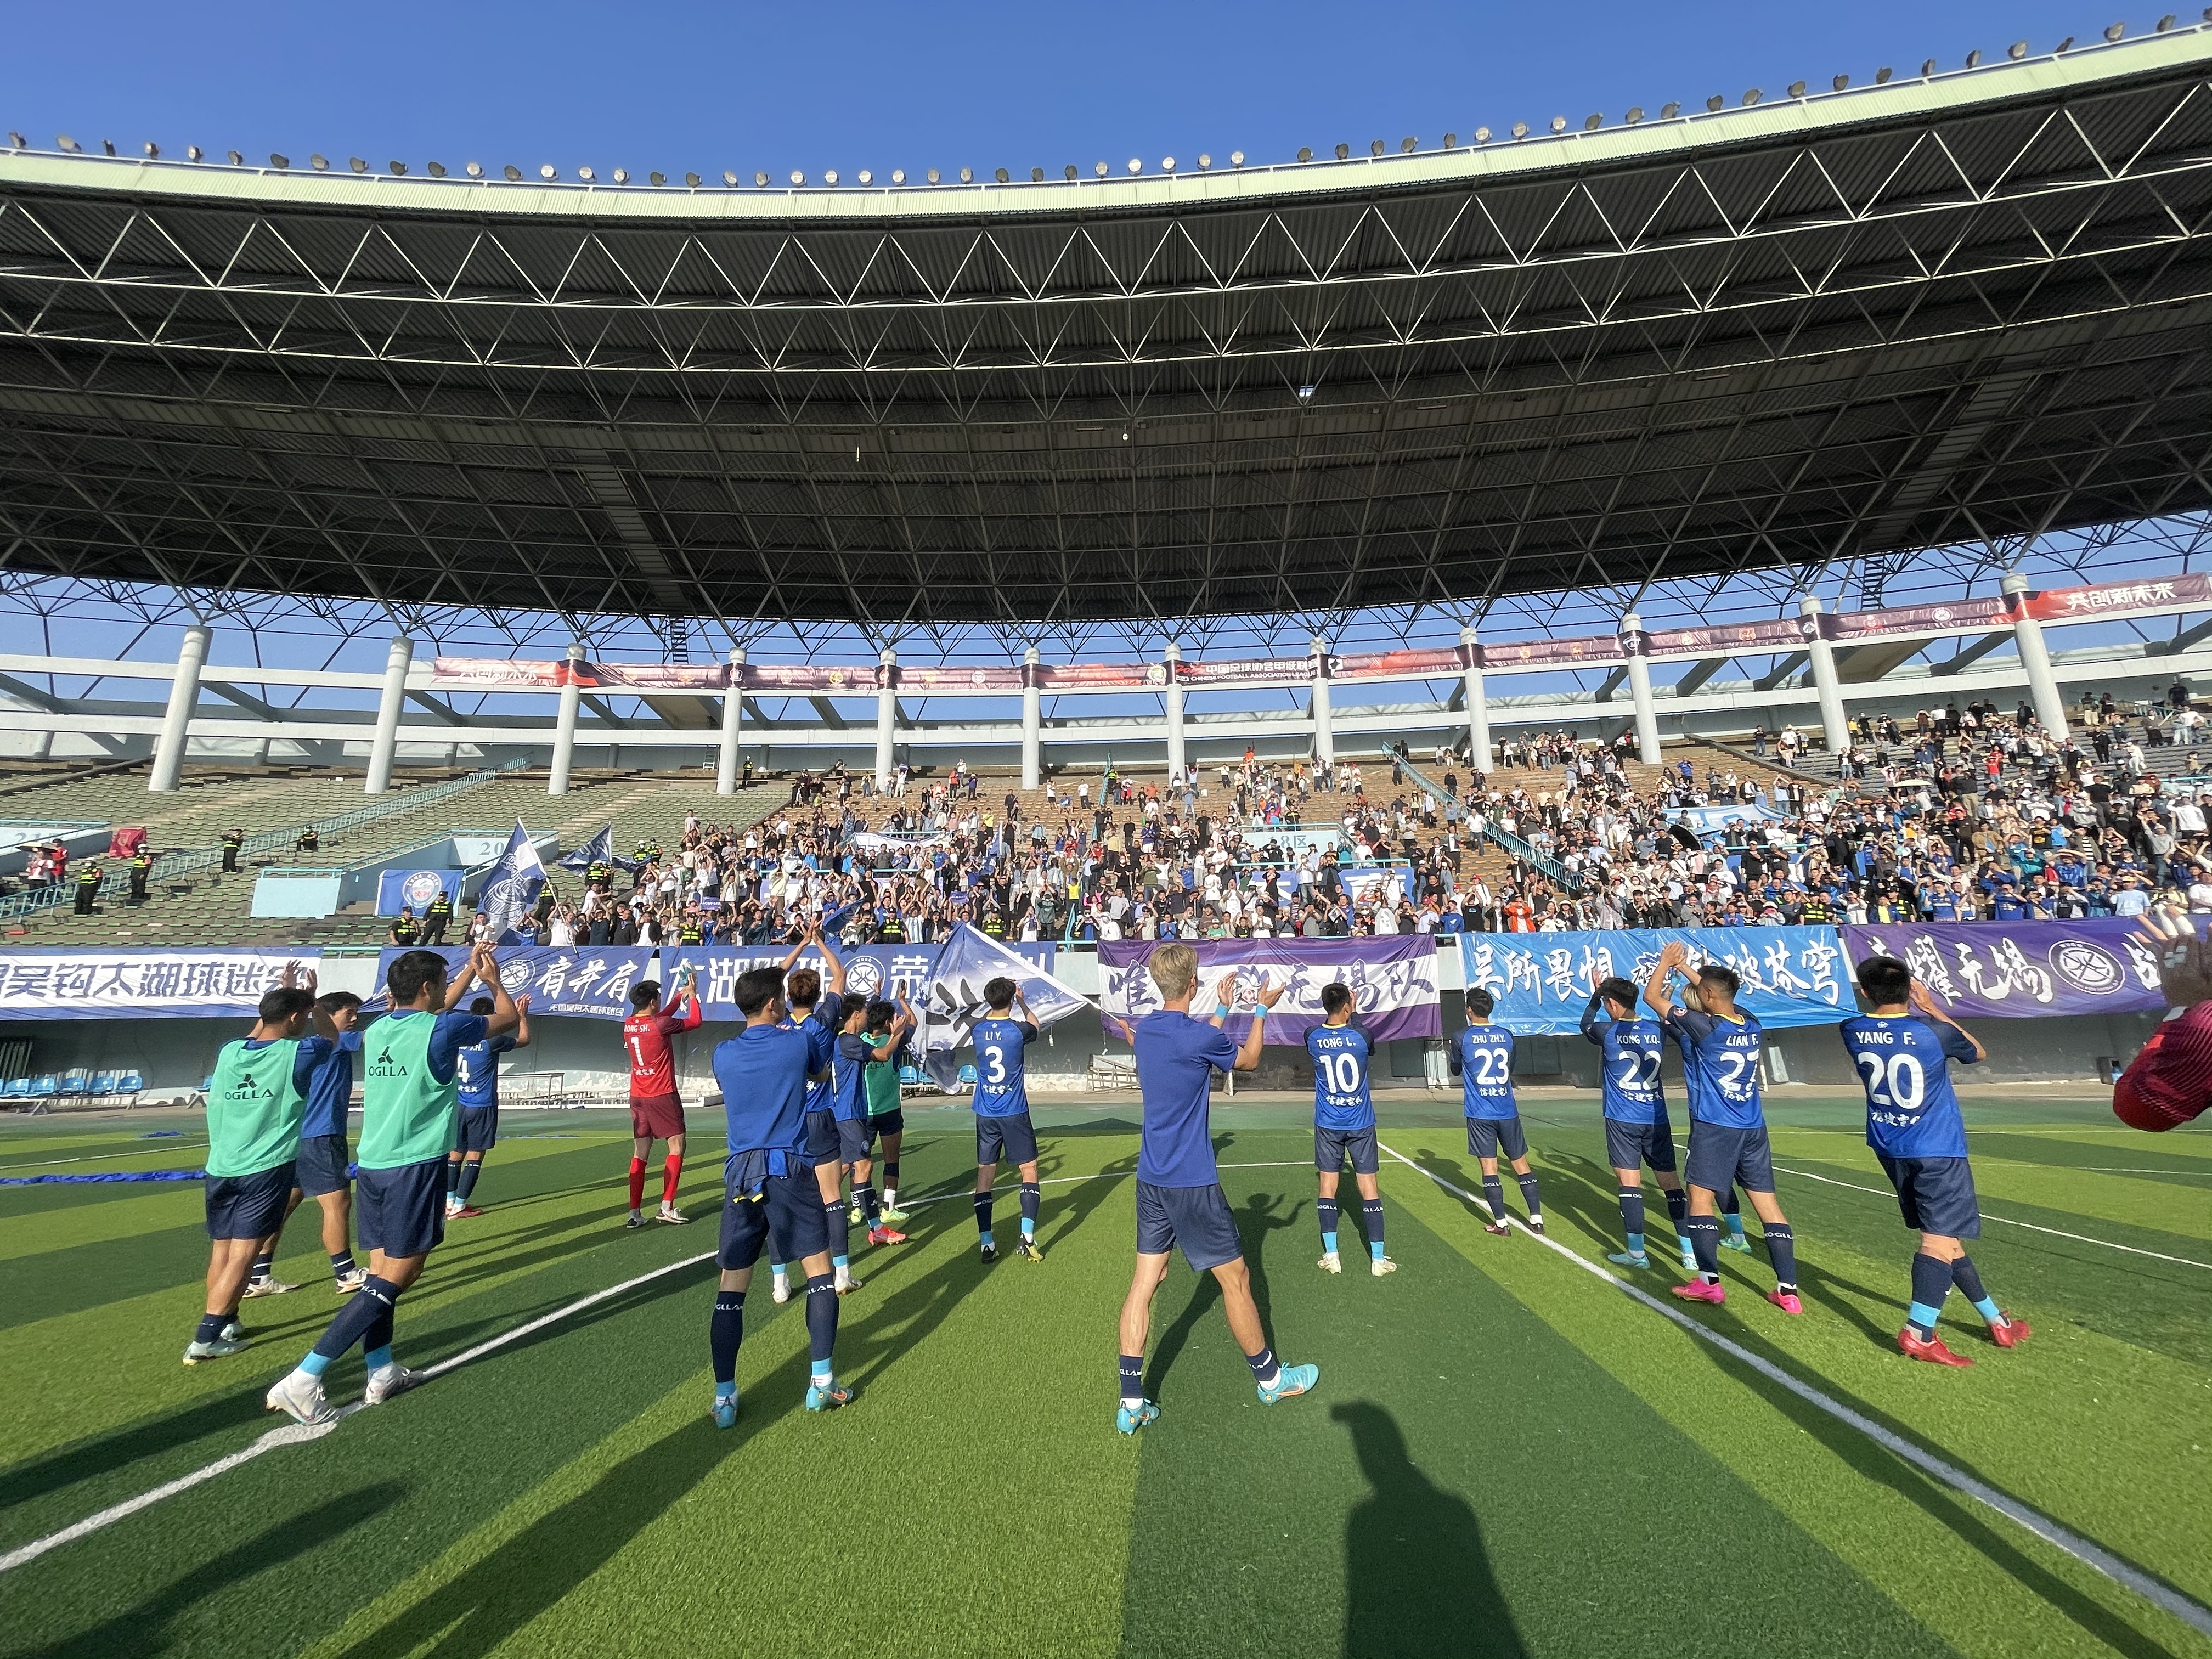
[1505, 1455]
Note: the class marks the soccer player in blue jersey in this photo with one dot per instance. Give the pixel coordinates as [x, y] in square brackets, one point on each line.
[477, 1083]
[1720, 1046]
[770, 1195]
[410, 1117]
[326, 1153]
[1002, 1114]
[1344, 1126]
[1179, 1196]
[819, 1011]
[1903, 1050]
[1637, 1131]
[1484, 1060]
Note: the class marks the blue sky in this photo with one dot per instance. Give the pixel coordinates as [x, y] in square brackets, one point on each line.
[984, 85]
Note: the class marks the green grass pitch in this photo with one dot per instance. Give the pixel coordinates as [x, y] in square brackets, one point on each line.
[1505, 1455]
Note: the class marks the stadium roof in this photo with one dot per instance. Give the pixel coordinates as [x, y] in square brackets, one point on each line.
[1955, 307]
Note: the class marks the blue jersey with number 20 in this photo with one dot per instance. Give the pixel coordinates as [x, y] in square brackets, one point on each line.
[1341, 1099]
[1911, 1111]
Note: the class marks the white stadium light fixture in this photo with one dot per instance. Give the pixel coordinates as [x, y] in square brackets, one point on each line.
[152, 151]
[357, 164]
[1669, 111]
[1037, 175]
[1927, 68]
[1135, 166]
[1375, 148]
[280, 163]
[193, 152]
[966, 175]
[2016, 50]
[1482, 135]
[237, 159]
[1974, 58]
[586, 174]
[1840, 83]
[2116, 32]
[796, 177]
[829, 178]
[320, 163]
[474, 169]
[1882, 75]
[2165, 23]
[1409, 145]
[436, 169]
[1591, 124]
[19, 142]
[398, 169]
[866, 177]
[547, 170]
[1796, 89]
[898, 175]
[1751, 97]
[1236, 158]
[1204, 162]
[692, 181]
[1001, 175]
[656, 179]
[1520, 128]
[1069, 172]
[1635, 114]
[1102, 171]
[622, 175]
[1304, 155]
[1559, 124]
[1167, 164]
[935, 176]
[1451, 141]
[760, 180]
[1343, 152]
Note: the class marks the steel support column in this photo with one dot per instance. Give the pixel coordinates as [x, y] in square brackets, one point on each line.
[2035, 658]
[733, 716]
[564, 732]
[385, 744]
[176, 723]
[1835, 723]
[1639, 692]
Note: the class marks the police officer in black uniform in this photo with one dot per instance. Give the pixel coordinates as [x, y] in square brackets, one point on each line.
[142, 872]
[233, 841]
[436, 918]
[88, 885]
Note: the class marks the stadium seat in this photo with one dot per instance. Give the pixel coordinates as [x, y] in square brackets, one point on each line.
[19, 1088]
[128, 1083]
[103, 1083]
[76, 1080]
[967, 1078]
[909, 1076]
[45, 1087]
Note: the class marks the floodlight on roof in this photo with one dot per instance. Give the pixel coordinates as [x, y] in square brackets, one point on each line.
[796, 177]
[1451, 141]
[2016, 50]
[1135, 166]
[398, 169]
[1592, 122]
[1482, 135]
[280, 163]
[18, 141]
[1520, 128]
[437, 170]
[2165, 23]
[933, 176]
[1974, 58]
[898, 175]
[1305, 154]
[1927, 68]
[1715, 102]
[866, 177]
[1167, 164]
[691, 180]
[1001, 175]
[1882, 75]
[1375, 148]
[193, 152]
[1796, 89]
[1840, 83]
[1407, 146]
[966, 175]
[357, 164]
[1668, 112]
[621, 176]
[2067, 44]
[1750, 97]
[108, 145]
[546, 170]
[513, 173]
[62, 141]
[474, 169]
[1037, 175]
[1343, 152]
[320, 163]
[1204, 162]
[237, 160]
[152, 151]
[760, 181]
[1635, 114]
[1559, 124]
[656, 179]
[1070, 172]
[1305, 394]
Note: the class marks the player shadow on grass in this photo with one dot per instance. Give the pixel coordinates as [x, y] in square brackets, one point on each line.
[146, 1628]
[1951, 1510]
[471, 1615]
[1416, 1579]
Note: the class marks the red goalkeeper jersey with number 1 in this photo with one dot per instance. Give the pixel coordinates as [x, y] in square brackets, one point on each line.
[652, 1062]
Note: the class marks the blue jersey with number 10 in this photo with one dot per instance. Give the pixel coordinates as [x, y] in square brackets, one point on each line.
[1911, 1111]
[1001, 1044]
[1341, 1099]
[1486, 1059]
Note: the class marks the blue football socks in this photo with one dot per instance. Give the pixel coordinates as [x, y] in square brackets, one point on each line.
[1931, 1283]
[822, 1325]
[1632, 1217]
[983, 1217]
[1325, 1210]
[1133, 1379]
[1264, 1366]
[342, 1264]
[1530, 1195]
[1032, 1199]
[469, 1171]
[1678, 1206]
[1782, 1251]
[724, 1334]
[211, 1327]
[367, 1316]
[1371, 1213]
[1968, 1278]
[1493, 1194]
[1704, 1235]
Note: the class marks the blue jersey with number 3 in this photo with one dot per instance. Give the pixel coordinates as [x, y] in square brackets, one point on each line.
[1720, 1067]
[999, 1046]
[1486, 1060]
[1911, 1111]
[1341, 1100]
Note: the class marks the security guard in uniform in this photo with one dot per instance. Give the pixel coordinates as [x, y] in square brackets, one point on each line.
[142, 872]
[233, 841]
[435, 917]
[690, 930]
[88, 885]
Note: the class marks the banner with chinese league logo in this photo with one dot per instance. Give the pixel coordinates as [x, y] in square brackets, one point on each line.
[1790, 975]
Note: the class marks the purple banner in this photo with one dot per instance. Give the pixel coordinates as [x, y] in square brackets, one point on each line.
[1393, 978]
[2022, 970]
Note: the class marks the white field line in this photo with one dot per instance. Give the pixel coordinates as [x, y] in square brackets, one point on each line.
[2095, 1556]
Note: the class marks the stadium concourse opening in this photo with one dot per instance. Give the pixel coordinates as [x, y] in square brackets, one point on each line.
[1643, 709]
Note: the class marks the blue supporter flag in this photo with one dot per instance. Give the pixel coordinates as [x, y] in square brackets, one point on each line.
[601, 849]
[511, 886]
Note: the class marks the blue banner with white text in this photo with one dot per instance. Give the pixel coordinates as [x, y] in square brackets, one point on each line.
[1542, 981]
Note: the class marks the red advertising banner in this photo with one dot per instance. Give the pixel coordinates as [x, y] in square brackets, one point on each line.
[1251, 670]
[1548, 653]
[496, 673]
[655, 676]
[2122, 599]
[1779, 633]
[1102, 676]
[960, 679]
[1958, 617]
[845, 678]
[1407, 664]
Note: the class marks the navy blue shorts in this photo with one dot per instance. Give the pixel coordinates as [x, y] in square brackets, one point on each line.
[325, 1161]
[401, 1211]
[1632, 1146]
[479, 1129]
[248, 1205]
[852, 1140]
[822, 1135]
[892, 1122]
[1721, 1158]
[1196, 1218]
[783, 1211]
[1488, 1136]
[1935, 1194]
[1009, 1140]
[1333, 1147]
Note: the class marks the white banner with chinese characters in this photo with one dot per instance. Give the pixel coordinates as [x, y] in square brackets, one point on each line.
[1542, 981]
[99, 984]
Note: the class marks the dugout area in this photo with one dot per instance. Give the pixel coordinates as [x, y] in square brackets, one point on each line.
[1506, 1455]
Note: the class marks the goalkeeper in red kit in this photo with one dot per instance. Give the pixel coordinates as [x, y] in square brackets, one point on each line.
[656, 1111]
[2170, 1082]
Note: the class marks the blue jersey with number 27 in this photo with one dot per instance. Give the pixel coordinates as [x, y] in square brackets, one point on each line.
[1720, 1067]
[1341, 1099]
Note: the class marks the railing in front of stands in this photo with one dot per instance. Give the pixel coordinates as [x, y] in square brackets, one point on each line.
[1480, 821]
[172, 866]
